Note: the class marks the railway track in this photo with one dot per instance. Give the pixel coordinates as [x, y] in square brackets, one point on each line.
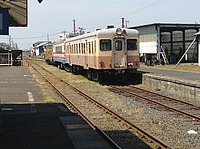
[97, 112]
[184, 108]
[73, 107]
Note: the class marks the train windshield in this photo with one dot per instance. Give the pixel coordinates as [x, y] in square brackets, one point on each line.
[105, 45]
[118, 45]
[131, 44]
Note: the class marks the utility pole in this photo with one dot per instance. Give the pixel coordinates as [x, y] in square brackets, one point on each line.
[47, 37]
[10, 42]
[64, 34]
[127, 23]
[122, 22]
[74, 27]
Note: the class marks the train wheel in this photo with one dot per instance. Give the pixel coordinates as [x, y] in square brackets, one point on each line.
[95, 75]
[121, 75]
[89, 74]
[74, 70]
[61, 66]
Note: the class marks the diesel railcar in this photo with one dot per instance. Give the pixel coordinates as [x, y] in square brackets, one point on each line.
[104, 52]
[107, 52]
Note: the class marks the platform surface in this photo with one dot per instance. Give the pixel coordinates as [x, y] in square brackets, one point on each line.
[27, 121]
[194, 76]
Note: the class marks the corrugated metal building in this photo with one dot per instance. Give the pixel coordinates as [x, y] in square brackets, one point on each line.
[168, 41]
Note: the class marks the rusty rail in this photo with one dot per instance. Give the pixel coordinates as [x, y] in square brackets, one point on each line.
[143, 134]
[158, 103]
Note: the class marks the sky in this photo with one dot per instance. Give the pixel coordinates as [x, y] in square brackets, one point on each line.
[52, 17]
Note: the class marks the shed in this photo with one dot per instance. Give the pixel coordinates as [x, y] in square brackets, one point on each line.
[167, 42]
[38, 48]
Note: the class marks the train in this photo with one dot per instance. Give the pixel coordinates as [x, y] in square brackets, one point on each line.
[110, 52]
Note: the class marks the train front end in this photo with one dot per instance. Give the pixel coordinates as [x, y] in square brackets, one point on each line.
[122, 52]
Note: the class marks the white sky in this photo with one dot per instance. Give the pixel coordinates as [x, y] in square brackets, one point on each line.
[54, 16]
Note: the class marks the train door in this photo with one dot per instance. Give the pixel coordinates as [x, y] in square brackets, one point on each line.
[119, 53]
[69, 52]
[86, 54]
[94, 53]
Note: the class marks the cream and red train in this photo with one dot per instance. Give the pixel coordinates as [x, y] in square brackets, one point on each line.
[106, 52]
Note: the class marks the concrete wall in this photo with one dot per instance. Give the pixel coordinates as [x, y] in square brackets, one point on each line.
[181, 88]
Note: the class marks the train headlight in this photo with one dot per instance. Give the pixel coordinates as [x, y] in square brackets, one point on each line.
[119, 31]
[124, 31]
[130, 64]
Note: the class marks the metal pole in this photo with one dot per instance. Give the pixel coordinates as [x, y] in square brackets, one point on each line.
[185, 52]
[0, 105]
[198, 48]
[122, 22]
[74, 27]
[159, 43]
[127, 23]
[48, 37]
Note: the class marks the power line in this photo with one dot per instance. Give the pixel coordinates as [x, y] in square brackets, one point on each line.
[145, 7]
[131, 13]
[34, 37]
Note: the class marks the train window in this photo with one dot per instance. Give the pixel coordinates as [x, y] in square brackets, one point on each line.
[105, 45]
[84, 48]
[70, 48]
[59, 50]
[95, 46]
[79, 48]
[76, 48]
[92, 47]
[131, 44]
[118, 45]
[67, 49]
[89, 47]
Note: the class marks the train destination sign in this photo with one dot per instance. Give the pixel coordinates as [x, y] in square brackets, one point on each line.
[17, 12]
[4, 22]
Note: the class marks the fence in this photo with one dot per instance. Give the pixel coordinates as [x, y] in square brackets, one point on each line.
[6, 59]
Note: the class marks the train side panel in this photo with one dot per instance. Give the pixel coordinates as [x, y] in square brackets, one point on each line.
[59, 53]
[113, 51]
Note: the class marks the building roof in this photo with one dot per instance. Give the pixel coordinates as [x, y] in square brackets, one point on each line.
[39, 44]
[170, 26]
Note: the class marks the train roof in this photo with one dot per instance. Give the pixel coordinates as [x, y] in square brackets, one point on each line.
[103, 32]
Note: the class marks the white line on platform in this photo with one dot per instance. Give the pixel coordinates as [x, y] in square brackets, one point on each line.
[27, 75]
[30, 97]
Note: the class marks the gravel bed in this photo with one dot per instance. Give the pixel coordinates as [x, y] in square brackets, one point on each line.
[168, 126]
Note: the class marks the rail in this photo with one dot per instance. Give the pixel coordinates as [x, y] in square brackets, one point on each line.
[77, 110]
[158, 103]
[143, 134]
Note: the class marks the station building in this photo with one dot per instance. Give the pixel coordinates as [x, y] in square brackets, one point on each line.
[167, 42]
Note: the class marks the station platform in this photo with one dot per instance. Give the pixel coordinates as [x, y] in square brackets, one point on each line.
[186, 75]
[179, 83]
[28, 120]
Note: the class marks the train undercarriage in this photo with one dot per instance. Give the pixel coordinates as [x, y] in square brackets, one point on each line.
[94, 74]
[98, 75]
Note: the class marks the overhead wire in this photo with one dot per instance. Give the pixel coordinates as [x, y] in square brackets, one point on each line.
[111, 19]
[131, 13]
[36, 36]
